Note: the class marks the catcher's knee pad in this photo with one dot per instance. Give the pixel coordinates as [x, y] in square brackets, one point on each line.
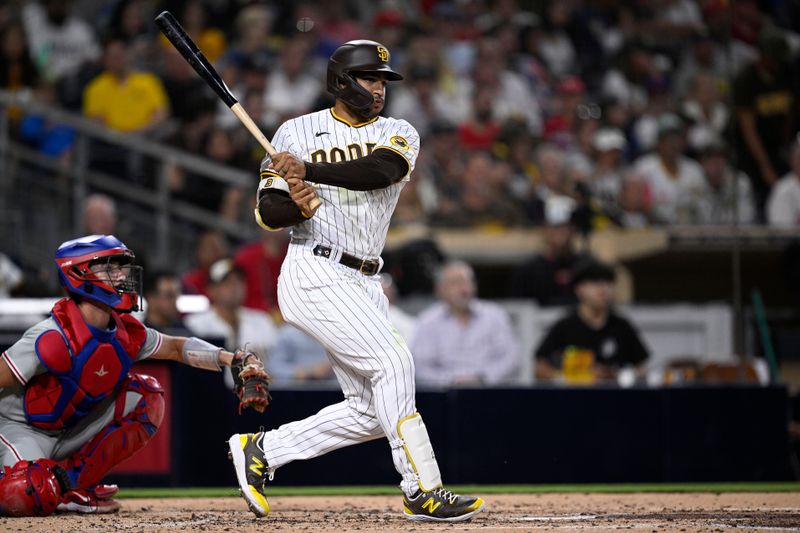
[123, 436]
[32, 488]
[150, 408]
[419, 450]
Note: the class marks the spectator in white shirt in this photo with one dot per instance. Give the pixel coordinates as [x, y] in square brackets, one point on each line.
[291, 89]
[727, 188]
[59, 41]
[422, 102]
[783, 207]
[228, 319]
[605, 183]
[514, 97]
[706, 110]
[462, 340]
[672, 179]
[404, 323]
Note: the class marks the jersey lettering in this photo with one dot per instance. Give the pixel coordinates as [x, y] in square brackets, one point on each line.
[337, 155]
[319, 156]
[334, 155]
[353, 221]
[354, 151]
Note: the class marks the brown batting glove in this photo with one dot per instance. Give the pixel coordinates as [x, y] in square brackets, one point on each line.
[250, 381]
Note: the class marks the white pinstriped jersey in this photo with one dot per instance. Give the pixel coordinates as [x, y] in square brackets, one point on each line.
[355, 221]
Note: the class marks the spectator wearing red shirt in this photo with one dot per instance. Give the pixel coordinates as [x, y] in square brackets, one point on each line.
[481, 130]
[260, 262]
[560, 128]
[211, 247]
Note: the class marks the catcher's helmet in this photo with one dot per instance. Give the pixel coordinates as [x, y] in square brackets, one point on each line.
[354, 57]
[76, 257]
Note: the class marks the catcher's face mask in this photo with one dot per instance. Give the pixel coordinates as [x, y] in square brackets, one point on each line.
[101, 268]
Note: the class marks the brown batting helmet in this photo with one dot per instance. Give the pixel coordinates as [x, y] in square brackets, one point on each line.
[348, 61]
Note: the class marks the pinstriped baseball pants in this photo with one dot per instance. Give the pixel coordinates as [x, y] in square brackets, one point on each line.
[347, 313]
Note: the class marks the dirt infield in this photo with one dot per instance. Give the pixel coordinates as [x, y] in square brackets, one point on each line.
[518, 512]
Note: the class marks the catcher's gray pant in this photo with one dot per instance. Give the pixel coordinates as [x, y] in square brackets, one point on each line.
[19, 440]
[347, 313]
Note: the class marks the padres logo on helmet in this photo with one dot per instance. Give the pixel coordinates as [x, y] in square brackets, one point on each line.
[383, 54]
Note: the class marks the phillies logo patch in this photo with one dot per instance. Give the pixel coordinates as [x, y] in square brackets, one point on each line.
[383, 54]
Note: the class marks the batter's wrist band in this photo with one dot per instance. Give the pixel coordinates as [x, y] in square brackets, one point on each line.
[201, 354]
[270, 180]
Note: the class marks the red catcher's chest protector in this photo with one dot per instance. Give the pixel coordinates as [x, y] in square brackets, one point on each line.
[84, 365]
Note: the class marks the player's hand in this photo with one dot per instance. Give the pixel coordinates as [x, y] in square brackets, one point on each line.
[303, 193]
[288, 166]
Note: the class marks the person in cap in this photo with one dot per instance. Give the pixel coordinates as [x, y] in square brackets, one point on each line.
[227, 318]
[728, 197]
[605, 184]
[591, 342]
[672, 178]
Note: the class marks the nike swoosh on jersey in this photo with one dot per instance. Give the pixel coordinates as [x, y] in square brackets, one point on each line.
[321, 133]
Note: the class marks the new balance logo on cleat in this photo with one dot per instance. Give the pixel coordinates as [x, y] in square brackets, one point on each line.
[252, 470]
[441, 505]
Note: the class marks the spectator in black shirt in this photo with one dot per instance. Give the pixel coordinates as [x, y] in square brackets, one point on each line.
[591, 342]
[765, 99]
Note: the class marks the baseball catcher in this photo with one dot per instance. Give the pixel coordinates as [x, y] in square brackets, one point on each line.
[71, 408]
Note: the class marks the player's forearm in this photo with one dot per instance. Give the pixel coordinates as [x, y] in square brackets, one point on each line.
[174, 349]
[277, 210]
[376, 171]
[7, 378]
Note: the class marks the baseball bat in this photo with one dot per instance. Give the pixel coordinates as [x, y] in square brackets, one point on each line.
[184, 44]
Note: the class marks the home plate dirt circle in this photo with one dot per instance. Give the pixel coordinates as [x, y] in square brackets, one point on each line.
[504, 513]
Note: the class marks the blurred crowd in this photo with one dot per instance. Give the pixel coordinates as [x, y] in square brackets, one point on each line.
[569, 115]
[647, 112]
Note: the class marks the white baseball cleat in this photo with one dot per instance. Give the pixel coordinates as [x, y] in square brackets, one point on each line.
[252, 470]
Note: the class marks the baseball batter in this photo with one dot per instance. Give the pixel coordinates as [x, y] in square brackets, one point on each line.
[329, 287]
[69, 408]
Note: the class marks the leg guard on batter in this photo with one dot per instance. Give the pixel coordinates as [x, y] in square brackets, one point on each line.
[419, 450]
[32, 488]
[122, 437]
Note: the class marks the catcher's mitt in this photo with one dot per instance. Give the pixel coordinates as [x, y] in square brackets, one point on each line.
[250, 381]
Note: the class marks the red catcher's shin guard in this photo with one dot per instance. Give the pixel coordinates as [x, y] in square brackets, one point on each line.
[32, 488]
[122, 437]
